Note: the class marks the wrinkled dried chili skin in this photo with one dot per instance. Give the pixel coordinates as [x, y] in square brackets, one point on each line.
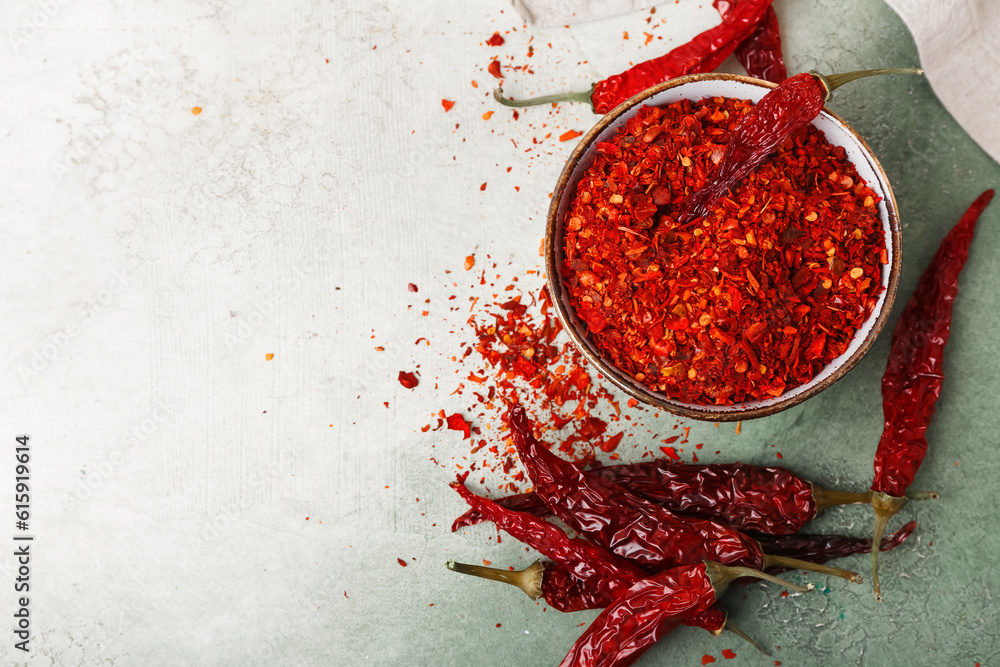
[822, 548]
[767, 500]
[564, 592]
[626, 524]
[647, 611]
[602, 571]
[914, 373]
[704, 53]
[760, 53]
[793, 104]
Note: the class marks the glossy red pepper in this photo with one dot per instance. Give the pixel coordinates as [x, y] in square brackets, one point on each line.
[760, 53]
[704, 53]
[630, 526]
[602, 571]
[601, 575]
[769, 500]
[650, 609]
[795, 102]
[915, 371]
[821, 548]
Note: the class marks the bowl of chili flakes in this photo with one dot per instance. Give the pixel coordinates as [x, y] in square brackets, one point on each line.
[766, 301]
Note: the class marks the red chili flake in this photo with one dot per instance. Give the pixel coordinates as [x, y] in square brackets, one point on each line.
[268, 356]
[495, 40]
[196, 110]
[632, 402]
[780, 456]
[572, 134]
[670, 452]
[457, 423]
[411, 287]
[498, 625]
[482, 187]
[671, 439]
[447, 104]
[488, 115]
[345, 595]
[408, 380]
[707, 659]
[470, 262]
[728, 654]
[494, 69]
[749, 301]
[611, 443]
[402, 563]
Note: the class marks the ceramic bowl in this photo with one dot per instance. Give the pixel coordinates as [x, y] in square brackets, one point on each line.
[697, 87]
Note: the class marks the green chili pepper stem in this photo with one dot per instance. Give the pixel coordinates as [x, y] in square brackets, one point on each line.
[796, 564]
[885, 507]
[825, 498]
[742, 635]
[546, 99]
[528, 580]
[833, 81]
[722, 575]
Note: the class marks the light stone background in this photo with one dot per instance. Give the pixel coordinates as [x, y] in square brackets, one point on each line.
[152, 257]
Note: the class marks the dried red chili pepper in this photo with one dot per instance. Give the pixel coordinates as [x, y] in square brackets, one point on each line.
[793, 104]
[770, 500]
[822, 548]
[604, 574]
[630, 526]
[914, 373]
[702, 54]
[601, 570]
[760, 53]
[653, 607]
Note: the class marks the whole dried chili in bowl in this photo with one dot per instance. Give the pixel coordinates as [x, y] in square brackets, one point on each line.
[741, 313]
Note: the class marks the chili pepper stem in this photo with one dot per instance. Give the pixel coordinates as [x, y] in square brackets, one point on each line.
[924, 495]
[545, 99]
[833, 81]
[885, 507]
[742, 635]
[722, 575]
[528, 580]
[825, 498]
[796, 564]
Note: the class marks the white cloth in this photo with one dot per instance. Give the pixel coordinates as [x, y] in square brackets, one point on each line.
[958, 42]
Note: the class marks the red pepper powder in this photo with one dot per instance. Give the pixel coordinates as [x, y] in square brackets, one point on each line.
[749, 301]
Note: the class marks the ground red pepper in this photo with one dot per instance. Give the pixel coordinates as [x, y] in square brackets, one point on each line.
[746, 303]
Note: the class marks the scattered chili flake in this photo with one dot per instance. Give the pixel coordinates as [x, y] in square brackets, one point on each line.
[494, 69]
[470, 261]
[632, 402]
[707, 659]
[196, 110]
[482, 187]
[749, 301]
[611, 443]
[411, 287]
[671, 452]
[475, 84]
[728, 654]
[408, 380]
[402, 563]
[457, 423]
[488, 115]
[571, 134]
[269, 356]
[447, 104]
[495, 40]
